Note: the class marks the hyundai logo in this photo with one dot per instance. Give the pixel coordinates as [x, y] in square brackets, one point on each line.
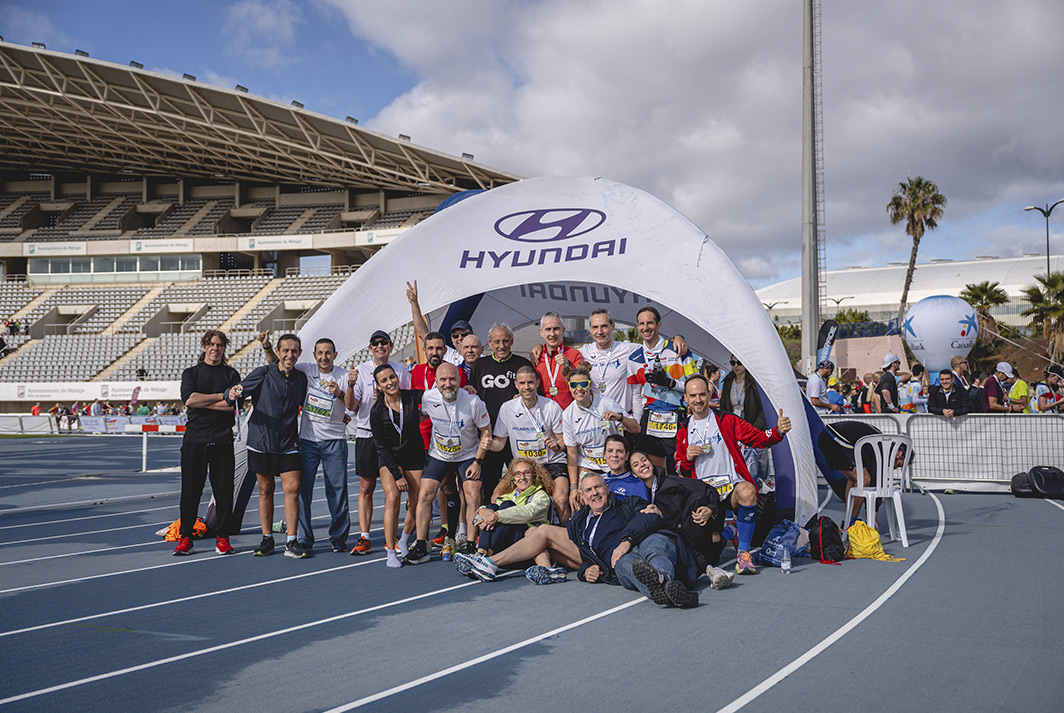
[548, 225]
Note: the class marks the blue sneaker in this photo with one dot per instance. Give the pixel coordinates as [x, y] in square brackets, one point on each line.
[539, 574]
[463, 564]
[480, 566]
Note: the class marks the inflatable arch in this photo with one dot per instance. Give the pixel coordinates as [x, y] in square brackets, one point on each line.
[568, 245]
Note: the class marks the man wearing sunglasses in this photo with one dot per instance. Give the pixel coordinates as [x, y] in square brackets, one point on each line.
[366, 464]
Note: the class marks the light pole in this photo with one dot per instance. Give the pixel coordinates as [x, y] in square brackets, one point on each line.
[1047, 212]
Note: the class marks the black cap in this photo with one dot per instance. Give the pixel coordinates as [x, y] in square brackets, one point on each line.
[379, 334]
[1056, 369]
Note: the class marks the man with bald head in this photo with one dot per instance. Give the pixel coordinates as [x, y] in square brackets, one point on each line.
[461, 431]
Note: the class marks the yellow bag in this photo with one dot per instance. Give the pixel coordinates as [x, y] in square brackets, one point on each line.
[865, 544]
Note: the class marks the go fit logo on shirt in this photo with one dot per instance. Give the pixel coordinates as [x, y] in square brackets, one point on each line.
[546, 225]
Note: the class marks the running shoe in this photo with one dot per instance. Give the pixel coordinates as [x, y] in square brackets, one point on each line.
[293, 548]
[223, 547]
[280, 526]
[464, 565]
[744, 564]
[362, 547]
[266, 547]
[184, 547]
[466, 547]
[480, 566]
[438, 540]
[718, 578]
[734, 541]
[418, 554]
[538, 574]
[339, 546]
[651, 579]
[680, 596]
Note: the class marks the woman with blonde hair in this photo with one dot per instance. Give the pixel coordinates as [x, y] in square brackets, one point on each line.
[525, 502]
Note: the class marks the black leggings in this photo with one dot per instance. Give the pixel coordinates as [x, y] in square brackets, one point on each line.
[197, 460]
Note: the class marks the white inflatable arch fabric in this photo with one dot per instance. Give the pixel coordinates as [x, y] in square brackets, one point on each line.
[579, 230]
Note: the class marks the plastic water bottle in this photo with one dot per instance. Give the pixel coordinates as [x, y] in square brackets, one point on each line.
[785, 561]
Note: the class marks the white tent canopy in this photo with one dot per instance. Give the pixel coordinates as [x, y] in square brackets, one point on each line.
[580, 230]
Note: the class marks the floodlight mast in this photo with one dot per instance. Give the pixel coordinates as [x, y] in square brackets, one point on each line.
[1046, 213]
[810, 237]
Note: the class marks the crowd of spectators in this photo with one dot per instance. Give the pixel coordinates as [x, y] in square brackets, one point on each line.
[958, 390]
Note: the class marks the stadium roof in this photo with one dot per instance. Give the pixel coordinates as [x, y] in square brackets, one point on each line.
[61, 112]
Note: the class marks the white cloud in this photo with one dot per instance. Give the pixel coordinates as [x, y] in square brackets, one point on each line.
[699, 103]
[263, 31]
[22, 25]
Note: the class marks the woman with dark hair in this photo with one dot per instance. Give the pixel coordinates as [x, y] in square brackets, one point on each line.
[394, 421]
[524, 503]
[712, 373]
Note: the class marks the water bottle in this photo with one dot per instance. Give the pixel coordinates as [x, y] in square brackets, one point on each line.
[785, 561]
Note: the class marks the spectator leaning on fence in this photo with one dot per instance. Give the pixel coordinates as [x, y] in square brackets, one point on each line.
[1019, 393]
[1048, 396]
[947, 398]
[887, 389]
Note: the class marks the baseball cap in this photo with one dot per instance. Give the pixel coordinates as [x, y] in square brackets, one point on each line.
[1005, 368]
[461, 325]
[890, 359]
[825, 364]
[380, 334]
[1056, 369]
[833, 380]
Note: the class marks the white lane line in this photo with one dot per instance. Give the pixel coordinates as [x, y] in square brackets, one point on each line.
[180, 561]
[190, 598]
[230, 645]
[34, 484]
[82, 534]
[1055, 504]
[85, 517]
[827, 499]
[480, 659]
[111, 548]
[809, 655]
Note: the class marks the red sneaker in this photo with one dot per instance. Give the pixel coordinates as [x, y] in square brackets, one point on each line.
[184, 547]
[362, 547]
[437, 541]
[223, 547]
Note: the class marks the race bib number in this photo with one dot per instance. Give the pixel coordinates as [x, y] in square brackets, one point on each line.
[532, 449]
[318, 409]
[595, 454]
[663, 424]
[448, 445]
[722, 484]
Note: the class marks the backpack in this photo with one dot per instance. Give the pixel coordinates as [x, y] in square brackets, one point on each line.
[865, 544]
[825, 540]
[1021, 486]
[1047, 481]
[784, 536]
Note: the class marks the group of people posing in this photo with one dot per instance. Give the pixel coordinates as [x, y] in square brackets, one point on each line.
[609, 460]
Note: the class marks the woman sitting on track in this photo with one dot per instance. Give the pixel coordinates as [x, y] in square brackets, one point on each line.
[395, 422]
[525, 503]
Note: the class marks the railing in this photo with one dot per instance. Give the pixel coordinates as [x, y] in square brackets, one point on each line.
[974, 452]
[310, 271]
[240, 272]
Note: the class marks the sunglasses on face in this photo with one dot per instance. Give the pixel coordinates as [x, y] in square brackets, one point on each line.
[581, 384]
[379, 342]
[456, 335]
[735, 363]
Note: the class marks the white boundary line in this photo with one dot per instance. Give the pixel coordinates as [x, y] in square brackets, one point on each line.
[1052, 502]
[112, 548]
[230, 645]
[190, 598]
[809, 655]
[180, 561]
[480, 659]
[82, 534]
[86, 517]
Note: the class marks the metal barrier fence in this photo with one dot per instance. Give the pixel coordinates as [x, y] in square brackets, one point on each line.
[978, 452]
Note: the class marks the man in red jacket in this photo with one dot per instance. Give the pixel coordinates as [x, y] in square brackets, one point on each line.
[707, 448]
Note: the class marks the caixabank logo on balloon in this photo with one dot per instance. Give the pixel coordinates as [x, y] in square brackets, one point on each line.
[540, 230]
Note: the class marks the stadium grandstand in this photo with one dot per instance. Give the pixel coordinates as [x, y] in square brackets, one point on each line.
[138, 209]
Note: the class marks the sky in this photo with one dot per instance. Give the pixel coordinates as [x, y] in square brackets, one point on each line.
[695, 101]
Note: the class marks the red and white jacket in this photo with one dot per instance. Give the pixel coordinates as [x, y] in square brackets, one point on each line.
[734, 431]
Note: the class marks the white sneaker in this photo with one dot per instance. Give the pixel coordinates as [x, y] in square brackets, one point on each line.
[718, 578]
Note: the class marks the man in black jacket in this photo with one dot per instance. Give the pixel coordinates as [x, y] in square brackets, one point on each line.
[945, 399]
[610, 539]
[278, 391]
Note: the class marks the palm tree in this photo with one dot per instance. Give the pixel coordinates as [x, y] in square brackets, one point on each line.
[918, 203]
[1047, 311]
[983, 296]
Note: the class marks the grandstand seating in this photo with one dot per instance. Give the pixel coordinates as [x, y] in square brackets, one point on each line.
[67, 357]
[81, 213]
[166, 357]
[299, 287]
[111, 303]
[223, 295]
[14, 296]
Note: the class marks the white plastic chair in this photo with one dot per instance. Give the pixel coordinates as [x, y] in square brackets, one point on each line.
[889, 480]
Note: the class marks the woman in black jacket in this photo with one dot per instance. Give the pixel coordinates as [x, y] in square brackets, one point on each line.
[394, 420]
